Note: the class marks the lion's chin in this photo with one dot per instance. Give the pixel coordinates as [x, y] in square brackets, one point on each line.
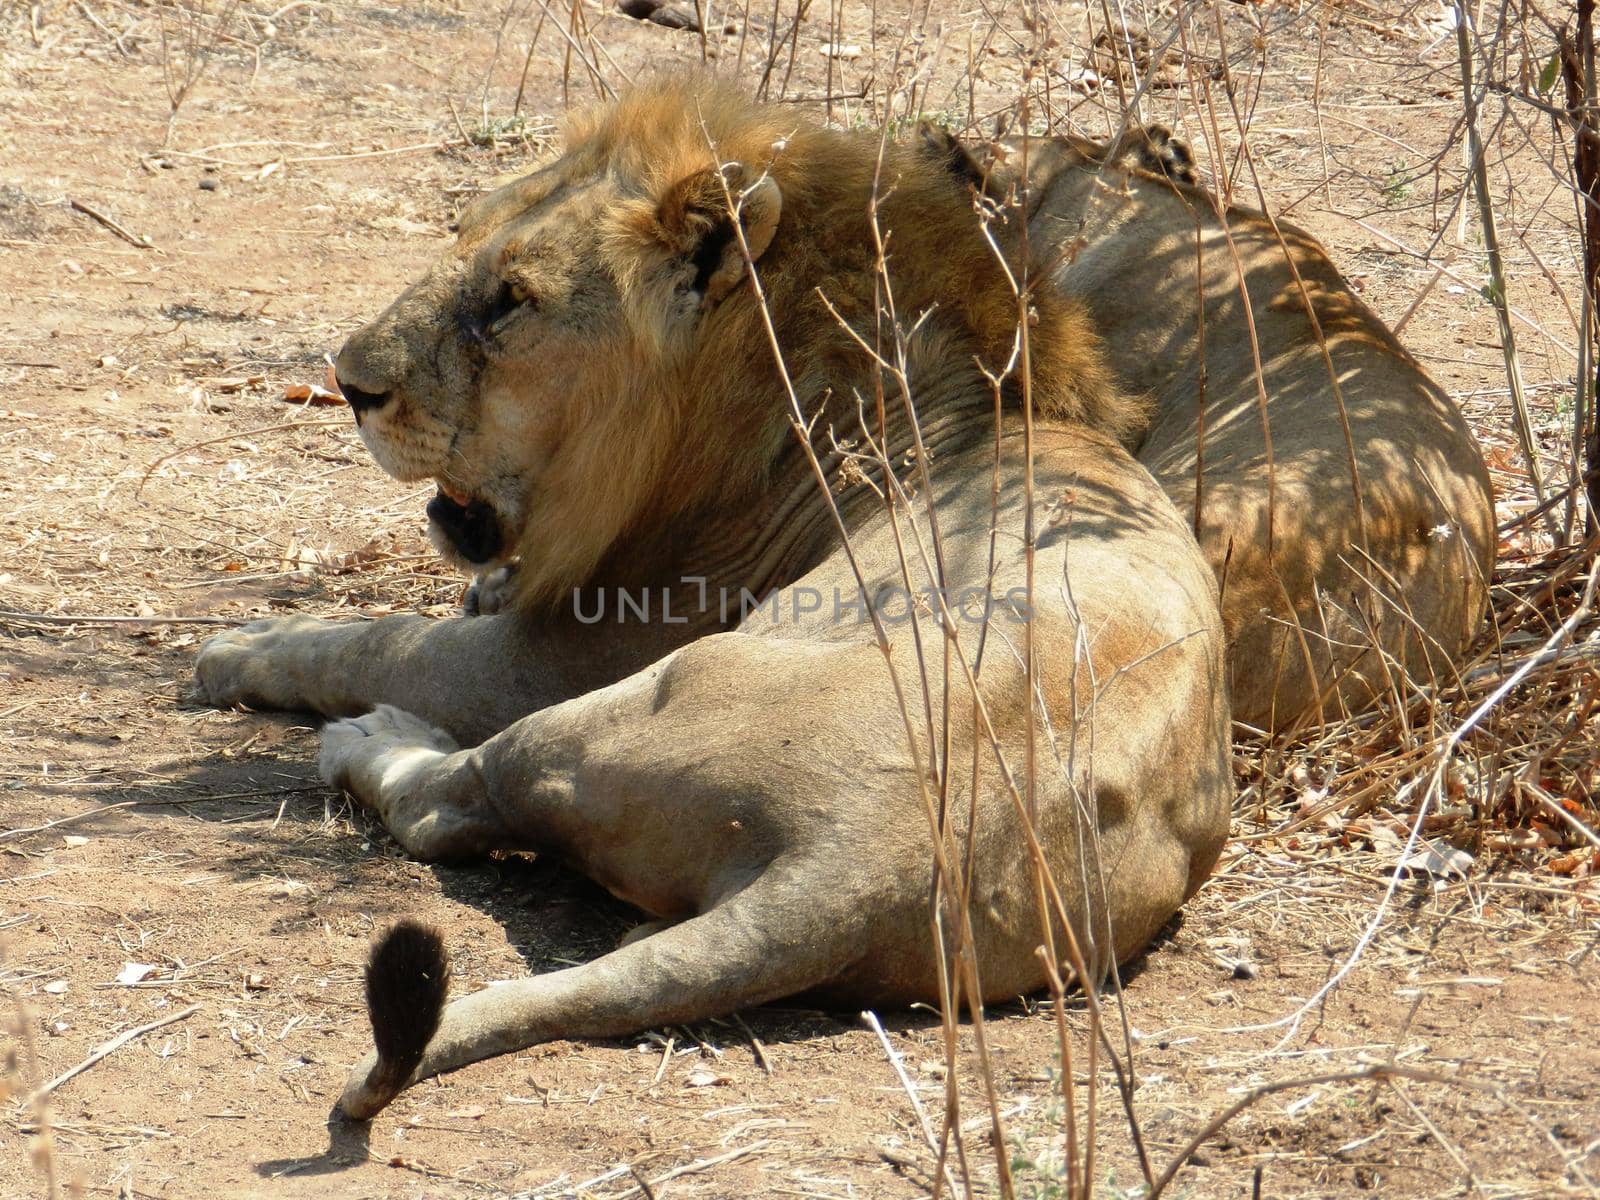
[470, 532]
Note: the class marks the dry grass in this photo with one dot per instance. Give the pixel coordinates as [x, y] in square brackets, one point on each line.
[1492, 772]
[1523, 780]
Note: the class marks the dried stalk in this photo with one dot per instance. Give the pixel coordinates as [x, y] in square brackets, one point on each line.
[1497, 269]
[1578, 75]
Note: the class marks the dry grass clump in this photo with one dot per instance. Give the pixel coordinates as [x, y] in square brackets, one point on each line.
[1512, 736]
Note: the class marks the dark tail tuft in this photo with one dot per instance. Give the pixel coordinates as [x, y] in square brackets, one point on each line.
[408, 976]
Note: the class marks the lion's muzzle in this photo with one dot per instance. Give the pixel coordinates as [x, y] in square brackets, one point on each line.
[360, 400]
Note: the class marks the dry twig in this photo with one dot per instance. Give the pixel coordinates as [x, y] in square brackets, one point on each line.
[116, 227]
[111, 1047]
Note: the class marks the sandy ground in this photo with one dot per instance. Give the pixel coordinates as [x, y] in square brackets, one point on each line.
[161, 861]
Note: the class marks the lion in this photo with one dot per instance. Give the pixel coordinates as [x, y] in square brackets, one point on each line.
[796, 516]
[1335, 489]
[589, 376]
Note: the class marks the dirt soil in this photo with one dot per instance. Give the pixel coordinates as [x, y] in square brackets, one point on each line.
[164, 862]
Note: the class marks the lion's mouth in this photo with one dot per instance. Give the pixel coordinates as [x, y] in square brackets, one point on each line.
[468, 524]
[452, 493]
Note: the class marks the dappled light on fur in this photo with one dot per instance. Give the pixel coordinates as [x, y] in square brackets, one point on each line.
[826, 380]
[820, 331]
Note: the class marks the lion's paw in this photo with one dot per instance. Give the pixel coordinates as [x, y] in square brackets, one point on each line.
[379, 754]
[247, 665]
[490, 592]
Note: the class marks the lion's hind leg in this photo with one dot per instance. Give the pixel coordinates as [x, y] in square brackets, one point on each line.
[1160, 152]
[412, 777]
[723, 788]
[774, 938]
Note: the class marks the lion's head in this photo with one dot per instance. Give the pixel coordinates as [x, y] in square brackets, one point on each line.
[591, 359]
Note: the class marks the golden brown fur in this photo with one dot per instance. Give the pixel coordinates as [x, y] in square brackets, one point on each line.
[1354, 543]
[587, 375]
[666, 420]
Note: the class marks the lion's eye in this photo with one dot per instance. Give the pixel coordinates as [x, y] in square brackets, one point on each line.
[508, 301]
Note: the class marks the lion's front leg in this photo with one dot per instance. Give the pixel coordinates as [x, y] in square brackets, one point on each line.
[414, 779]
[470, 677]
[281, 662]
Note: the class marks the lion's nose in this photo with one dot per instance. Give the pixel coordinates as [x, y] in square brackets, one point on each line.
[361, 400]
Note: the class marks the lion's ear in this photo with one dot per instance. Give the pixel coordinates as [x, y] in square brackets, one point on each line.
[976, 169]
[939, 145]
[696, 219]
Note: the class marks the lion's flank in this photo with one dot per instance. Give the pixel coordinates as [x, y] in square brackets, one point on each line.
[408, 977]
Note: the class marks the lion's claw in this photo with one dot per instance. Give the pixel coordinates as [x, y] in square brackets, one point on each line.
[490, 592]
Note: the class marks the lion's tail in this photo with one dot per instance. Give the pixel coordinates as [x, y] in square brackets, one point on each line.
[758, 945]
[408, 977]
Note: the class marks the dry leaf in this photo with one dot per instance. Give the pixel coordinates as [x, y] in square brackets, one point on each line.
[406, 226]
[235, 383]
[1437, 859]
[308, 560]
[311, 394]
